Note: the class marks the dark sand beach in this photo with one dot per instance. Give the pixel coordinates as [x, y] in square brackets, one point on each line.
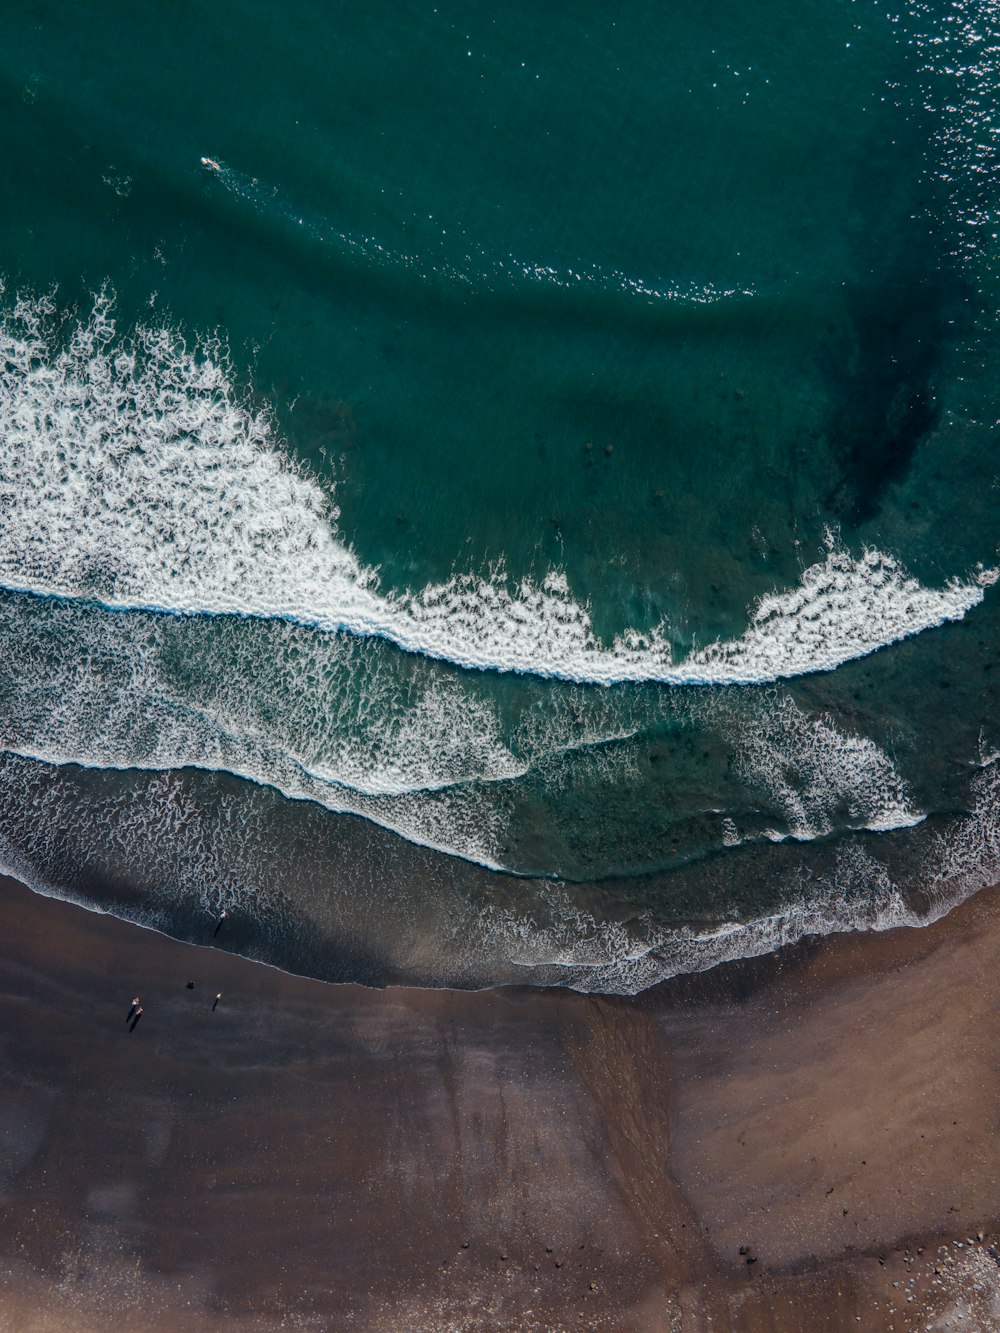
[807, 1141]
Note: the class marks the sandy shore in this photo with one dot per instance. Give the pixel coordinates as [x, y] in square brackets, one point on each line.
[802, 1142]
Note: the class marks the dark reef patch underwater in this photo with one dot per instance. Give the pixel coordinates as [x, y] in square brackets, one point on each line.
[493, 499]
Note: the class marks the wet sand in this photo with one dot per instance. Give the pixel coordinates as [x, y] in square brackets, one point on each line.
[802, 1142]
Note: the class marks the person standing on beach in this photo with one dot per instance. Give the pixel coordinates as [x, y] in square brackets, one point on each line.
[135, 1006]
[216, 1001]
[135, 1020]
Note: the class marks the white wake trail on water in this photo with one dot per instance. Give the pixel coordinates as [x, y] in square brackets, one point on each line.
[479, 270]
[133, 475]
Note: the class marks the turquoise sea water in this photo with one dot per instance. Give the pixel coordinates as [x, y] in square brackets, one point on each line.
[500, 498]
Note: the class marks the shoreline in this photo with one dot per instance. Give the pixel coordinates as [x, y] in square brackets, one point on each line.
[315, 943]
[749, 1147]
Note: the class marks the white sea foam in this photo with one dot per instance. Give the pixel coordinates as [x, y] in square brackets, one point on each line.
[170, 849]
[818, 776]
[179, 851]
[175, 850]
[339, 720]
[966, 857]
[859, 893]
[131, 474]
[625, 957]
[317, 717]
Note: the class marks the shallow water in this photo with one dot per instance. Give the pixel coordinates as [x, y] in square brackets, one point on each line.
[493, 498]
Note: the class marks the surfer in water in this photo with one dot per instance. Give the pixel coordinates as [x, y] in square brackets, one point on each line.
[211, 163]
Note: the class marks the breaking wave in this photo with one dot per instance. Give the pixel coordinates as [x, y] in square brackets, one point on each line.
[170, 851]
[568, 944]
[134, 476]
[818, 776]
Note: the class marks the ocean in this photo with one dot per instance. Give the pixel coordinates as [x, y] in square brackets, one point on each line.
[500, 498]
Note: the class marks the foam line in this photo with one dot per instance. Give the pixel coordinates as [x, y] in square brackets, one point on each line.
[278, 707]
[576, 949]
[818, 776]
[132, 475]
[183, 851]
[340, 721]
[624, 958]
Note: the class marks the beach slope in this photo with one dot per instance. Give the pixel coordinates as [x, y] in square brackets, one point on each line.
[804, 1141]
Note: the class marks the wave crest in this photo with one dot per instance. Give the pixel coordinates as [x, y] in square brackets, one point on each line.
[134, 475]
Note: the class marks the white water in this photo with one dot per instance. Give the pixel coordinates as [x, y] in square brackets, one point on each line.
[176, 851]
[623, 959]
[858, 893]
[817, 775]
[280, 707]
[330, 718]
[132, 475]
